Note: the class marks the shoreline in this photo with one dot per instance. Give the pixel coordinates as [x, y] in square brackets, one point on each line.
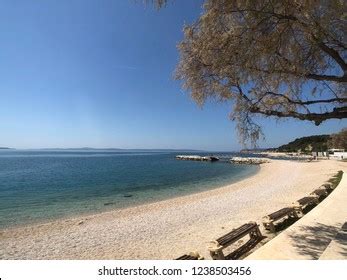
[79, 216]
[172, 227]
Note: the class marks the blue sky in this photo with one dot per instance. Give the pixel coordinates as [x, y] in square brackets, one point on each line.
[99, 74]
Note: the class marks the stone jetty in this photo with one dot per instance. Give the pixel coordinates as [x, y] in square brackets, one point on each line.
[249, 160]
[197, 158]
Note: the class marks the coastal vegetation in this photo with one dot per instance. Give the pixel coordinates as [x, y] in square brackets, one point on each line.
[306, 144]
[339, 140]
[269, 58]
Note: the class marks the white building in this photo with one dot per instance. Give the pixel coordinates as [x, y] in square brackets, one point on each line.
[337, 153]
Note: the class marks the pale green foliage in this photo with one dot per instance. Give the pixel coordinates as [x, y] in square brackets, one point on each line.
[260, 56]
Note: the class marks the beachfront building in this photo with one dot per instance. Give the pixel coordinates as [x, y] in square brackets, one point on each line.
[331, 153]
[337, 154]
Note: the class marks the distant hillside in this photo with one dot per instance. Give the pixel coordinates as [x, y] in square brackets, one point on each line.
[307, 144]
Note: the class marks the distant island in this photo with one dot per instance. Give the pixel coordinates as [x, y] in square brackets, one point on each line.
[110, 149]
[119, 149]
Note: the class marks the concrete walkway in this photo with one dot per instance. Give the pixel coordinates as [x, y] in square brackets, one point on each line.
[318, 234]
[338, 246]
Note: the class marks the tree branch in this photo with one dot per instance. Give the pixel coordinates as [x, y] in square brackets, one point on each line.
[331, 78]
[336, 113]
[309, 102]
[311, 76]
[334, 55]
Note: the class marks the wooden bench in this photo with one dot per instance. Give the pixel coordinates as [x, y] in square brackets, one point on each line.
[191, 256]
[305, 201]
[268, 221]
[328, 186]
[320, 192]
[217, 246]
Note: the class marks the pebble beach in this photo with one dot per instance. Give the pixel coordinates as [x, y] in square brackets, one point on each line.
[169, 228]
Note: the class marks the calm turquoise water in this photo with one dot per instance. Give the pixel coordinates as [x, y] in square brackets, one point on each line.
[37, 186]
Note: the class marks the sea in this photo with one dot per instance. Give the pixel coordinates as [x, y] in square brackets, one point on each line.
[43, 185]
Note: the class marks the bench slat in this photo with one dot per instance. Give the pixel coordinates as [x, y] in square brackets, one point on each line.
[281, 213]
[236, 234]
[319, 192]
[306, 200]
[187, 257]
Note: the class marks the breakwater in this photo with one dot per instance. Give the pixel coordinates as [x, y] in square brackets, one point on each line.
[197, 158]
[249, 160]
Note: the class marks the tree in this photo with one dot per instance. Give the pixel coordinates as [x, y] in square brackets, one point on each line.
[316, 143]
[338, 140]
[271, 58]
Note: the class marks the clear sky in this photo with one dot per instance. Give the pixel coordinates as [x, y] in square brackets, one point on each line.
[91, 73]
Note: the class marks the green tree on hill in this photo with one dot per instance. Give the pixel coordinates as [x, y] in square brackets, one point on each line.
[317, 143]
[338, 140]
